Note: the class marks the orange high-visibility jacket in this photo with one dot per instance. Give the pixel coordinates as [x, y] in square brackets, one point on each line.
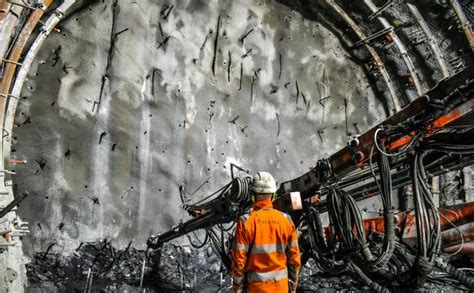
[265, 254]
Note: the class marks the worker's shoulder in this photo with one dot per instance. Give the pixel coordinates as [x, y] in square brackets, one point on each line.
[251, 215]
[282, 214]
[244, 218]
[274, 213]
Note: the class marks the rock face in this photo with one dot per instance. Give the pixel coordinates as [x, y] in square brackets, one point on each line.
[134, 99]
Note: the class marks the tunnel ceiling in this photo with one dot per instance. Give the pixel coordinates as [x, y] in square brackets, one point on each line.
[133, 101]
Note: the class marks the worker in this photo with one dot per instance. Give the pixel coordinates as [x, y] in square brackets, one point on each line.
[265, 253]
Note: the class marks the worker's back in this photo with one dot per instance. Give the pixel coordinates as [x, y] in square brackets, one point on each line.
[266, 248]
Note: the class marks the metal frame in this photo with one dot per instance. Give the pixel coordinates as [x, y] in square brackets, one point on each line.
[375, 56]
[16, 75]
[431, 40]
[401, 47]
[466, 26]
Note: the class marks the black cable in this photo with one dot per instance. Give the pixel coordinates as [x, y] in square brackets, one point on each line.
[223, 229]
[367, 281]
[455, 273]
[201, 244]
[388, 213]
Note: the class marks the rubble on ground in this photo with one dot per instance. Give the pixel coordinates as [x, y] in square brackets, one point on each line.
[181, 268]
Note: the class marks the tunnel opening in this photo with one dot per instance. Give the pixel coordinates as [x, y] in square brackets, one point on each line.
[120, 115]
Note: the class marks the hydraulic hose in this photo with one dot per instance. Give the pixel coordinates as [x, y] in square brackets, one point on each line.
[388, 213]
[366, 280]
[462, 277]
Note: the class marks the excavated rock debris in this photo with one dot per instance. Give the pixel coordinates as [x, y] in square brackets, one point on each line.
[121, 270]
[181, 268]
[107, 264]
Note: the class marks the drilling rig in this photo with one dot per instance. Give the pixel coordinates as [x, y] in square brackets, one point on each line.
[431, 136]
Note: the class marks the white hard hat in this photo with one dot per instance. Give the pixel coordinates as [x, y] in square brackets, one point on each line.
[263, 182]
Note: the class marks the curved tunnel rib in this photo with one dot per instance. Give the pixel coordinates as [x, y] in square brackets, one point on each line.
[401, 47]
[377, 60]
[466, 26]
[8, 102]
[45, 30]
[8, 19]
[431, 40]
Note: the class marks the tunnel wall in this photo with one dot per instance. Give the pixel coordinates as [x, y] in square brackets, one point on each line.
[133, 100]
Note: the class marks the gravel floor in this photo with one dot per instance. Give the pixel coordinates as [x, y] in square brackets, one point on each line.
[181, 269]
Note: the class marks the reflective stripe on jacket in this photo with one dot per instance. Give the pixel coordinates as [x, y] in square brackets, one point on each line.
[265, 252]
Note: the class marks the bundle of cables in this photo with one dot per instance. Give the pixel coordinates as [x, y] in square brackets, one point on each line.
[235, 192]
[426, 219]
[346, 217]
[388, 264]
[449, 149]
[234, 195]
